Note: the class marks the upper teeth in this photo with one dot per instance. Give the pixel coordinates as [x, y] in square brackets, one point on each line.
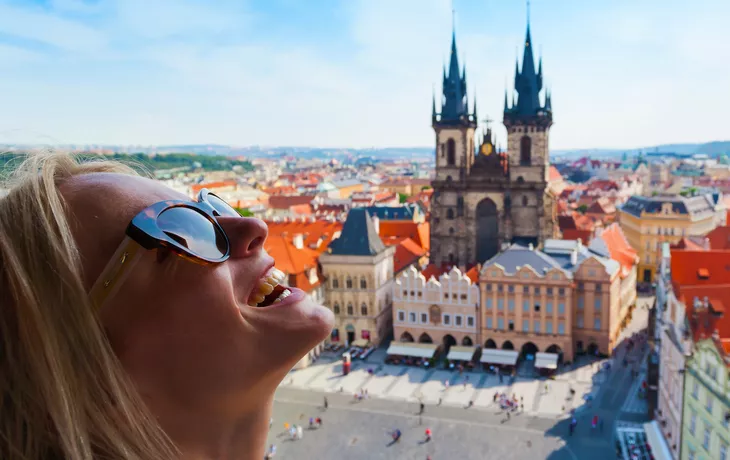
[266, 286]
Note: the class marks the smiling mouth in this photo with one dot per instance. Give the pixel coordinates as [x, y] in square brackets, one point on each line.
[269, 289]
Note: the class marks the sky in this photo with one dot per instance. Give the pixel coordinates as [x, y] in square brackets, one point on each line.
[354, 73]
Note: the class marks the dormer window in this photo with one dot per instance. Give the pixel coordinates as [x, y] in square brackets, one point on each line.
[703, 274]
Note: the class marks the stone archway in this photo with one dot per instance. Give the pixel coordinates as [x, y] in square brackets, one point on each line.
[425, 338]
[467, 342]
[490, 344]
[557, 350]
[406, 337]
[507, 345]
[529, 348]
[593, 349]
[487, 230]
[449, 341]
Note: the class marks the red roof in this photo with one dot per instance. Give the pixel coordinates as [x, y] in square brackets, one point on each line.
[213, 185]
[554, 174]
[407, 253]
[317, 235]
[435, 271]
[705, 321]
[295, 262]
[619, 247]
[719, 238]
[687, 244]
[686, 267]
[286, 202]
[419, 233]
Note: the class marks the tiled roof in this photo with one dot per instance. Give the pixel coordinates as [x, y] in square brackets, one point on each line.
[392, 212]
[686, 266]
[317, 235]
[560, 251]
[719, 238]
[407, 252]
[358, 237]
[419, 233]
[213, 185]
[573, 234]
[295, 262]
[554, 174]
[612, 238]
[688, 243]
[705, 321]
[697, 207]
[435, 271]
[285, 202]
[518, 256]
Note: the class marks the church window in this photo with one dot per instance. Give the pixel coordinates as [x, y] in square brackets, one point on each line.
[448, 179]
[525, 151]
[451, 152]
[350, 309]
[336, 308]
[451, 257]
[520, 180]
[348, 283]
[451, 231]
[524, 201]
[460, 206]
[335, 283]
[364, 310]
[450, 214]
[363, 283]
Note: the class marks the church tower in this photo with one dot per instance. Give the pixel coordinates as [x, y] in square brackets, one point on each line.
[454, 125]
[528, 122]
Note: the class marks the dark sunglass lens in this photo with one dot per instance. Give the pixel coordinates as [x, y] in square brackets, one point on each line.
[223, 208]
[194, 231]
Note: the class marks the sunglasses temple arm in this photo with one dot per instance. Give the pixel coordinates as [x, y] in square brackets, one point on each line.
[115, 272]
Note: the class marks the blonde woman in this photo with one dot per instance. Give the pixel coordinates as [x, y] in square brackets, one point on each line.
[136, 323]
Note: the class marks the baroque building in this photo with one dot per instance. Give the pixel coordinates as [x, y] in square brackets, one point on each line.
[485, 199]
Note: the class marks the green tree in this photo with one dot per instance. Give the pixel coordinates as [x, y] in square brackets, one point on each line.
[583, 208]
[402, 197]
[244, 212]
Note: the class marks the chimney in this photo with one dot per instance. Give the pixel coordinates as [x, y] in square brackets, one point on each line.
[298, 241]
[580, 244]
[574, 257]
[376, 224]
[707, 244]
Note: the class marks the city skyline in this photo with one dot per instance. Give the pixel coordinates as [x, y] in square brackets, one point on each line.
[356, 74]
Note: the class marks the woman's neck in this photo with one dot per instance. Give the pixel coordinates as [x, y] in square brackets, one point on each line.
[201, 437]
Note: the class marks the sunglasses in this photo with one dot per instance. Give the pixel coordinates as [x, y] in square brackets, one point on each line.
[185, 228]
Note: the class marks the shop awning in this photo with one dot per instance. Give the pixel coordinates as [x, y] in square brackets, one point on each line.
[658, 444]
[457, 353]
[502, 357]
[416, 350]
[362, 343]
[546, 360]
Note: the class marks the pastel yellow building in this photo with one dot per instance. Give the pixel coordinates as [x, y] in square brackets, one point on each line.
[648, 222]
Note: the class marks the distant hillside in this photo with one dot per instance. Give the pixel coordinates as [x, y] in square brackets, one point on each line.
[708, 148]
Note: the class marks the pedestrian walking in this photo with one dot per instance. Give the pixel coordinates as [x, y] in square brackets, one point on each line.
[326, 403]
[522, 407]
[422, 408]
[271, 453]
[428, 434]
[440, 399]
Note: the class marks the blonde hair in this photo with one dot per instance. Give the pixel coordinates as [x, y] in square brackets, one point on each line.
[64, 394]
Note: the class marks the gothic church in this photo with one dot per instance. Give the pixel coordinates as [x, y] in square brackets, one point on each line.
[485, 199]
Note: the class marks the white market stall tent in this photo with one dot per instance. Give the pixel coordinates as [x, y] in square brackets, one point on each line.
[415, 350]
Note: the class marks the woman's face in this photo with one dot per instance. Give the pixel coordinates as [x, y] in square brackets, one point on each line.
[184, 331]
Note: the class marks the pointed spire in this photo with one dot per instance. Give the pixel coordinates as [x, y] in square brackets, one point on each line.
[433, 105]
[506, 103]
[475, 105]
[455, 106]
[548, 101]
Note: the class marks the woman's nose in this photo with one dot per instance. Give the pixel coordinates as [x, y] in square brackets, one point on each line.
[246, 234]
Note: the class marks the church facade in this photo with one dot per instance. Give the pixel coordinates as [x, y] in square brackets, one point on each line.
[485, 199]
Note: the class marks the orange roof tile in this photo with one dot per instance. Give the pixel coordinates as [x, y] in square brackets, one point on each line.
[719, 238]
[704, 322]
[317, 235]
[435, 271]
[618, 246]
[407, 252]
[688, 244]
[419, 233]
[554, 174]
[686, 265]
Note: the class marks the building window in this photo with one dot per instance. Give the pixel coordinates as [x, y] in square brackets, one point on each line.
[723, 451]
[561, 291]
[412, 317]
[336, 308]
[363, 283]
[526, 305]
[489, 322]
[450, 215]
[597, 324]
[401, 316]
[579, 321]
[710, 402]
[561, 308]
[450, 152]
[525, 151]
[691, 454]
[537, 327]
[424, 318]
[489, 303]
[511, 326]
[510, 288]
[597, 303]
[348, 283]
[549, 327]
[525, 289]
[524, 200]
[500, 288]
[335, 283]
[693, 423]
[537, 290]
[511, 304]
[537, 307]
[598, 287]
[580, 286]
[447, 319]
[364, 310]
[500, 304]
[549, 307]
[561, 328]
[500, 324]
[350, 310]
[457, 320]
[706, 437]
[549, 291]
[525, 325]
[489, 287]
[470, 321]
[695, 390]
